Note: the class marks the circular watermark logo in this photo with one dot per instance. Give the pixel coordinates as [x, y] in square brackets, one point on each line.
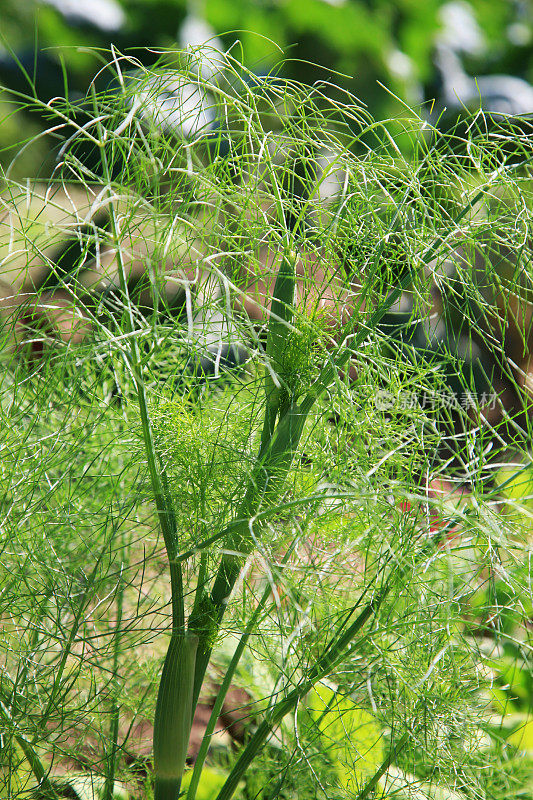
[384, 400]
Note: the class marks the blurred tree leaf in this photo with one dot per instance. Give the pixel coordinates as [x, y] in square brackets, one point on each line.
[350, 736]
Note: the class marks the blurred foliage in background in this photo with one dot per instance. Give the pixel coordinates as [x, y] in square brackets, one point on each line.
[367, 42]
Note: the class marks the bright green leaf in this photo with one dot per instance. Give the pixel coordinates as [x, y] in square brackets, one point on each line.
[350, 736]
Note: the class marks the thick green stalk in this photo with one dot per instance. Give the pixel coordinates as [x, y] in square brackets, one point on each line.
[173, 716]
[281, 316]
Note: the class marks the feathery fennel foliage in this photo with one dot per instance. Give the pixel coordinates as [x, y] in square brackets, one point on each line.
[152, 514]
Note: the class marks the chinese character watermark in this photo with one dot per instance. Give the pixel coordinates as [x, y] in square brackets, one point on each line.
[385, 400]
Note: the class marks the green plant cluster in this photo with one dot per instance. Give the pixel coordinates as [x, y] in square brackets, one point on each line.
[165, 538]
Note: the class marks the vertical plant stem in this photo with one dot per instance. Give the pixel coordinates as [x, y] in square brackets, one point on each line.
[115, 689]
[172, 725]
[200, 582]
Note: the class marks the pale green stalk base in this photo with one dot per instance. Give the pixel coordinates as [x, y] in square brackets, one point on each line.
[173, 713]
[167, 788]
